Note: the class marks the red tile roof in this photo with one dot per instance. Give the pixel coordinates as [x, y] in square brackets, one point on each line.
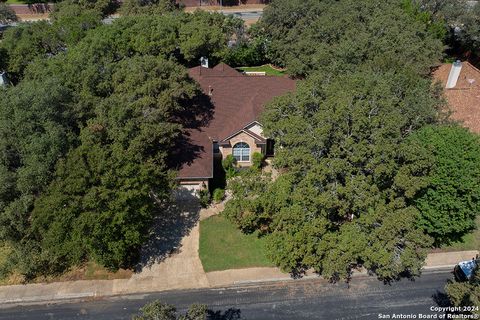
[238, 101]
[464, 98]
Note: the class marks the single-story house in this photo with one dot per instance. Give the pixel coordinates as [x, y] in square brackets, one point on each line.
[237, 101]
[461, 81]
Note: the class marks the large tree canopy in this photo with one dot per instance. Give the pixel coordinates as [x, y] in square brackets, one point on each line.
[89, 130]
[452, 201]
[349, 175]
[462, 18]
[104, 195]
[336, 36]
[36, 129]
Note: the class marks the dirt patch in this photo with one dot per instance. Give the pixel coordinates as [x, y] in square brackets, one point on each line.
[33, 17]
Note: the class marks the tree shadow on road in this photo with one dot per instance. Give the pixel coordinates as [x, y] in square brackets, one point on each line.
[170, 226]
[441, 299]
[230, 314]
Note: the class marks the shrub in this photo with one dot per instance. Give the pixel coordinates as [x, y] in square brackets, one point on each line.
[229, 162]
[257, 160]
[205, 198]
[7, 15]
[218, 195]
[228, 165]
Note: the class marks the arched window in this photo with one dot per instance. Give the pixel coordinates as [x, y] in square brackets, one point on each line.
[241, 151]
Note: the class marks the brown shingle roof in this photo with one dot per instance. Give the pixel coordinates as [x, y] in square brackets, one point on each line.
[464, 98]
[238, 101]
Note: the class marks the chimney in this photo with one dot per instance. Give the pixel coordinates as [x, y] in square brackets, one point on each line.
[3, 79]
[204, 62]
[454, 74]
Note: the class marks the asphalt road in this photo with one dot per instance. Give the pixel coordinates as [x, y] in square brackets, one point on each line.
[366, 298]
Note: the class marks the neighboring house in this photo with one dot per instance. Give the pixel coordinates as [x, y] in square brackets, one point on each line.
[462, 91]
[237, 101]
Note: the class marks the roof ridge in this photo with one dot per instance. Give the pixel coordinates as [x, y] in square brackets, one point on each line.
[473, 66]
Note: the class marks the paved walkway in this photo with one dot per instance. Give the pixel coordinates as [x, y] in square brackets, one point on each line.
[175, 267]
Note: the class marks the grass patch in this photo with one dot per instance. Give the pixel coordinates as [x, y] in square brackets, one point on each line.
[27, 1]
[92, 271]
[4, 252]
[265, 68]
[470, 241]
[223, 246]
[16, 2]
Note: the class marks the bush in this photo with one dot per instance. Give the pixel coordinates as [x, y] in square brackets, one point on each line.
[218, 195]
[159, 310]
[228, 165]
[257, 160]
[229, 162]
[7, 15]
[205, 198]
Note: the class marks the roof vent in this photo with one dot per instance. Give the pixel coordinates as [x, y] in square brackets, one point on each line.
[204, 62]
[454, 74]
[210, 90]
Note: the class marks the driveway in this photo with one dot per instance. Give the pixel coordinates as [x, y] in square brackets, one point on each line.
[170, 259]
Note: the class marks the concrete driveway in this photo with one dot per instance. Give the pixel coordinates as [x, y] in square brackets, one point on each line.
[170, 259]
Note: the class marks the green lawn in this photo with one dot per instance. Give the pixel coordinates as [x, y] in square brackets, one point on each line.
[265, 68]
[470, 241]
[16, 2]
[27, 1]
[223, 246]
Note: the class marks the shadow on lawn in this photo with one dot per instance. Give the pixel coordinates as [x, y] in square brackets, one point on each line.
[169, 228]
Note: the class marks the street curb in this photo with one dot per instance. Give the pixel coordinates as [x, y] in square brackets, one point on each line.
[54, 297]
[447, 266]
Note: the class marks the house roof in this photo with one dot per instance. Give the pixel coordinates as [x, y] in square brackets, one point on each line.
[238, 101]
[464, 98]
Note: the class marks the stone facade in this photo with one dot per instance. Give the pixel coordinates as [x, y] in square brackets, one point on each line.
[243, 137]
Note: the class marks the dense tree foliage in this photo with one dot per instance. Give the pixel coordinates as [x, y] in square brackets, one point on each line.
[349, 176]
[7, 15]
[184, 37]
[466, 294]
[36, 129]
[336, 36]
[104, 194]
[461, 17]
[249, 48]
[451, 202]
[134, 7]
[28, 42]
[435, 26]
[89, 131]
[69, 7]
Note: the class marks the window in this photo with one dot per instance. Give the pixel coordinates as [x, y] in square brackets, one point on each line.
[241, 151]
